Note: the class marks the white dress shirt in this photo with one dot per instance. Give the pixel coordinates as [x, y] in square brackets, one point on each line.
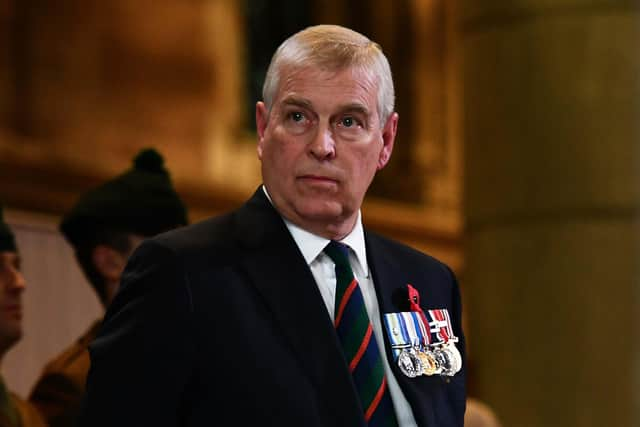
[323, 270]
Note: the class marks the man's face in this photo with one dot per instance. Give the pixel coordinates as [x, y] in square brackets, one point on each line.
[110, 262]
[321, 145]
[12, 284]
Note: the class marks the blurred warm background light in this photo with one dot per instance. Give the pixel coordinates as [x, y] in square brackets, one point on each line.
[517, 163]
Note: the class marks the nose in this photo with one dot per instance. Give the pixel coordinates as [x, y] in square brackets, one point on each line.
[323, 145]
[18, 282]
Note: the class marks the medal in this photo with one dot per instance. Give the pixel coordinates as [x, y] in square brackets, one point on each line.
[442, 361]
[421, 346]
[448, 359]
[429, 365]
[455, 357]
[410, 364]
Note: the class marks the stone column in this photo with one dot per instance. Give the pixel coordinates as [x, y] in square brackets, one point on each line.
[552, 182]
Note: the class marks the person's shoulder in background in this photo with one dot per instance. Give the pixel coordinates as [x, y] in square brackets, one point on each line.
[479, 414]
[29, 415]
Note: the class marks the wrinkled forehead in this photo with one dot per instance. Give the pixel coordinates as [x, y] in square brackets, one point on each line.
[326, 71]
[356, 82]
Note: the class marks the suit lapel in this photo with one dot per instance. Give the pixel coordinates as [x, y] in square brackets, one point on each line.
[280, 274]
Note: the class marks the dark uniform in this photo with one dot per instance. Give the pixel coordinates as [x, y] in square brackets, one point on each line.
[141, 201]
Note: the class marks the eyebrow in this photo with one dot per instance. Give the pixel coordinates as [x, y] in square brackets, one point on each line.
[356, 107]
[305, 103]
[299, 102]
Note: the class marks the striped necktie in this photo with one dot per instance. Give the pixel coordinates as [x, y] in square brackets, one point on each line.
[359, 342]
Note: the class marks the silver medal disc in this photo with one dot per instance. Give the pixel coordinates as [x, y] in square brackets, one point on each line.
[449, 359]
[409, 364]
[443, 361]
[455, 357]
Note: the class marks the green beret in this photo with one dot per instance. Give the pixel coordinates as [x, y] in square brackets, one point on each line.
[7, 240]
[141, 201]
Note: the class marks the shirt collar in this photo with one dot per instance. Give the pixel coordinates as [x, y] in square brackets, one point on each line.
[311, 245]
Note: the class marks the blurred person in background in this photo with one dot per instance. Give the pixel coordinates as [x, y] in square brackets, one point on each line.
[14, 412]
[104, 227]
[479, 414]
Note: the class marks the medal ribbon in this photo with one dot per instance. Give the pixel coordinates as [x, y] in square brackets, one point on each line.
[414, 305]
[406, 331]
[399, 340]
[442, 325]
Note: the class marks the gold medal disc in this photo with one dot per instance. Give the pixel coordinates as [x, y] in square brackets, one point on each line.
[429, 365]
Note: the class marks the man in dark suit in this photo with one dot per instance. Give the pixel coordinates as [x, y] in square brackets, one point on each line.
[286, 312]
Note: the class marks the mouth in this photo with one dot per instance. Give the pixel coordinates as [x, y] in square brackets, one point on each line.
[318, 179]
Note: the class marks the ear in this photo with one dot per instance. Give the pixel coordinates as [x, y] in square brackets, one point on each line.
[109, 262]
[262, 119]
[388, 139]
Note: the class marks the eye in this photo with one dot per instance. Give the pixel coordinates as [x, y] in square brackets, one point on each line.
[297, 121]
[348, 122]
[296, 116]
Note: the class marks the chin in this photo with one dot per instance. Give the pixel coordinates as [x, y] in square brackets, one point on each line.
[327, 214]
[316, 210]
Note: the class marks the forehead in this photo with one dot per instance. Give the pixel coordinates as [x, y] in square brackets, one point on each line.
[328, 89]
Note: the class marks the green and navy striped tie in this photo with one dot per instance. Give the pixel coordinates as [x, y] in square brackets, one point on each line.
[359, 342]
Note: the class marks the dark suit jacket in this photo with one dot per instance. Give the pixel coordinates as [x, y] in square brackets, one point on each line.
[221, 324]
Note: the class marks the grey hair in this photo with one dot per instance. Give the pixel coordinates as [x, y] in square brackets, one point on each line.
[332, 47]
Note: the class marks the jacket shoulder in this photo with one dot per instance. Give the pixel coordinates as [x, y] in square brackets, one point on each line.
[200, 235]
[406, 255]
[212, 242]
